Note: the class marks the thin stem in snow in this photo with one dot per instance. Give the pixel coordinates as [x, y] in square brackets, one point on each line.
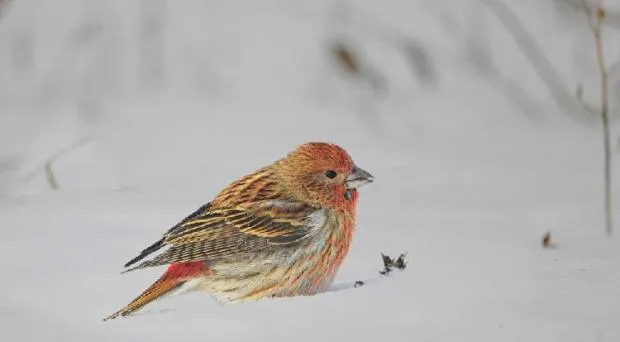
[595, 21]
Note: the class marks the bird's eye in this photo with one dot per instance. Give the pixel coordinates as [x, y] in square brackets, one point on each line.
[331, 174]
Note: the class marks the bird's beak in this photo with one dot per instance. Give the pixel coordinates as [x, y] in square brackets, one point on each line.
[358, 178]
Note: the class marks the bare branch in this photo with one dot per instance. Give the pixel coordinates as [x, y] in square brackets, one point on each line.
[595, 20]
[612, 18]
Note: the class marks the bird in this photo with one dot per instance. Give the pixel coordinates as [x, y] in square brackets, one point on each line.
[283, 230]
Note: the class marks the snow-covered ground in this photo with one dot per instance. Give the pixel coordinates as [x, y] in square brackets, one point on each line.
[473, 162]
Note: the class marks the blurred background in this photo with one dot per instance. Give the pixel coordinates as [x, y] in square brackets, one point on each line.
[141, 93]
[480, 120]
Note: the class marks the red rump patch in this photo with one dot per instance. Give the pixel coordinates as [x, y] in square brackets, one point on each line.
[186, 270]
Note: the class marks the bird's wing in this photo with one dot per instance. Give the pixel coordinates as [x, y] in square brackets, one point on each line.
[225, 232]
[161, 242]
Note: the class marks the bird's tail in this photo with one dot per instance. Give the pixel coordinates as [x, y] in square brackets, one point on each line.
[174, 278]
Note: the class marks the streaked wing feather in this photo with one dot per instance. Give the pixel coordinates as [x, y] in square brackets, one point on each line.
[160, 243]
[226, 232]
[199, 212]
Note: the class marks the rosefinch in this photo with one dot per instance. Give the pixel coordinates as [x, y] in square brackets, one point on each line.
[283, 230]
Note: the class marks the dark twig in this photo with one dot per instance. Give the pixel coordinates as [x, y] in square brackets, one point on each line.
[389, 264]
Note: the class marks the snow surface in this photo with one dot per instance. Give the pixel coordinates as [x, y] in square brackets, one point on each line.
[472, 165]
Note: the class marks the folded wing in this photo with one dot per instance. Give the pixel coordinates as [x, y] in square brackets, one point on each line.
[228, 232]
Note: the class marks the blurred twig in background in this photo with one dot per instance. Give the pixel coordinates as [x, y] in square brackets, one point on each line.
[5, 6]
[152, 43]
[476, 47]
[537, 59]
[49, 175]
[595, 16]
[612, 18]
[417, 57]
[47, 166]
[349, 61]
[419, 61]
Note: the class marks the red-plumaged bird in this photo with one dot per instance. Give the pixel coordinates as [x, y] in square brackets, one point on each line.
[283, 230]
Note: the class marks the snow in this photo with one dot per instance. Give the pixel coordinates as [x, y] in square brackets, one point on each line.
[471, 169]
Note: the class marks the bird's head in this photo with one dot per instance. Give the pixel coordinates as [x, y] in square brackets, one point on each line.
[324, 174]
